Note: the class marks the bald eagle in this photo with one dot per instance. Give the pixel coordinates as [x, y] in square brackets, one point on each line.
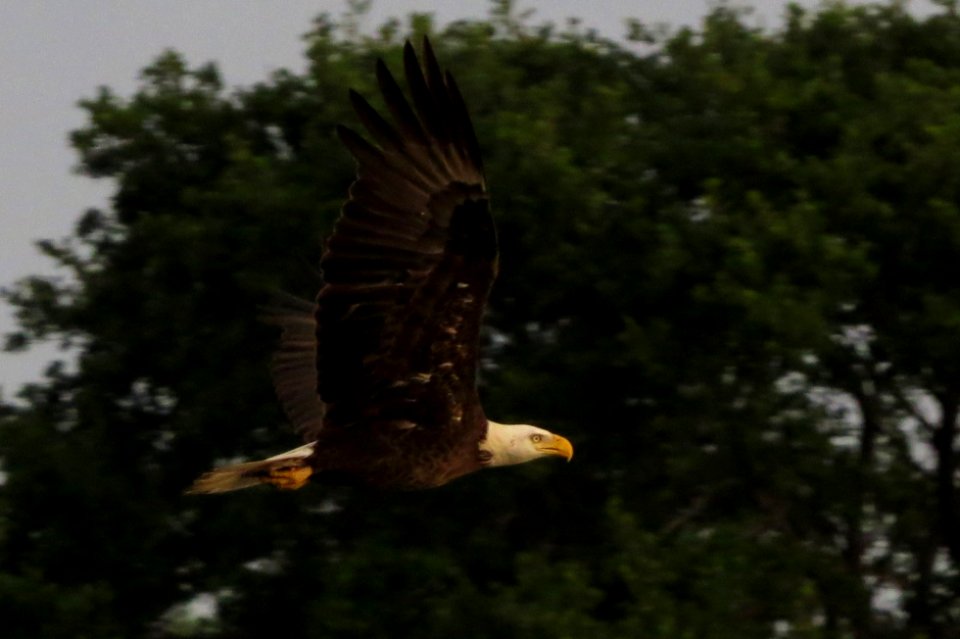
[379, 374]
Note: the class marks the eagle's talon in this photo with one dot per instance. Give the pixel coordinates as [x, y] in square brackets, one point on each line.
[290, 478]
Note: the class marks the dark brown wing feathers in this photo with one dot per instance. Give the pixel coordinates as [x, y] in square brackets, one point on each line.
[294, 367]
[406, 271]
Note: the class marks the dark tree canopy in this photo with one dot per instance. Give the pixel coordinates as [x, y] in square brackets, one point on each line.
[727, 273]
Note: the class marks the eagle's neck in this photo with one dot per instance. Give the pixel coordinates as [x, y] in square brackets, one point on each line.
[503, 445]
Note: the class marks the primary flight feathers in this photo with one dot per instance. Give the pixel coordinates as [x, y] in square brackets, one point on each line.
[379, 373]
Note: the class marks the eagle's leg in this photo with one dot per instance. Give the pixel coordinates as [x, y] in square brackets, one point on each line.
[289, 477]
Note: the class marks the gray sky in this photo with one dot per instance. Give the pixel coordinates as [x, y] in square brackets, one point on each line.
[55, 52]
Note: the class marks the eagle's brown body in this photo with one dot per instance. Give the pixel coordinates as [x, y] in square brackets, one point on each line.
[379, 373]
[397, 455]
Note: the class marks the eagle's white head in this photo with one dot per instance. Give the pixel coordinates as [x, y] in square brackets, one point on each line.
[508, 444]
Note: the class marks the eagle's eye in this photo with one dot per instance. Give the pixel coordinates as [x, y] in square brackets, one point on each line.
[537, 438]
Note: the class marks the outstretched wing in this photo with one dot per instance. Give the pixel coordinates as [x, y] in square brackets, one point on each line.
[412, 257]
[294, 366]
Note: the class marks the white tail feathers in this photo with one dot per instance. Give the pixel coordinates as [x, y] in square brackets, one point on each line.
[288, 471]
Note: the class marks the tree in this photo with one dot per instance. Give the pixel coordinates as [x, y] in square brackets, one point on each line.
[723, 273]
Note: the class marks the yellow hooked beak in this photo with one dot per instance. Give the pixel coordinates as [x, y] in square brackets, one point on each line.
[559, 446]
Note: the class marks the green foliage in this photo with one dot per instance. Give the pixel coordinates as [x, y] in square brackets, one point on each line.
[726, 275]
